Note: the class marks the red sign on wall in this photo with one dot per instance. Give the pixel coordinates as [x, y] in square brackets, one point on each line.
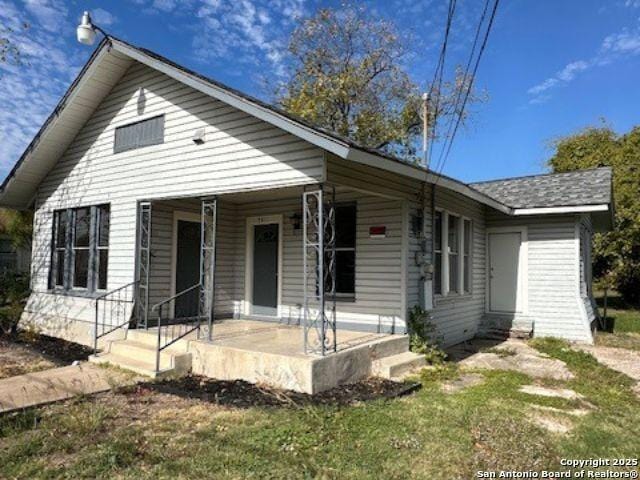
[378, 231]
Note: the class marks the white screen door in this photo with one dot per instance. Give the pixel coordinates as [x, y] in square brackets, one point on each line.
[504, 254]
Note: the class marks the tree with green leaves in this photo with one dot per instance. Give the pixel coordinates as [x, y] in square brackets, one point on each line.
[17, 225]
[348, 75]
[617, 252]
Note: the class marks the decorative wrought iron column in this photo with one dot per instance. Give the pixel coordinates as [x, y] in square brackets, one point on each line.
[144, 259]
[319, 270]
[206, 306]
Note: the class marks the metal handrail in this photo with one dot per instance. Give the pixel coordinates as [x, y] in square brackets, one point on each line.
[167, 300]
[104, 298]
[171, 339]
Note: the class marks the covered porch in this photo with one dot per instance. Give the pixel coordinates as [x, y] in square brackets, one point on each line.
[233, 281]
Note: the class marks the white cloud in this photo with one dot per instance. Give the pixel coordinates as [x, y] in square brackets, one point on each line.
[250, 31]
[51, 14]
[614, 47]
[49, 61]
[102, 17]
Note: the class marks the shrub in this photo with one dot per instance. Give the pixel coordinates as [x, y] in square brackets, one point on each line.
[627, 281]
[423, 336]
[14, 291]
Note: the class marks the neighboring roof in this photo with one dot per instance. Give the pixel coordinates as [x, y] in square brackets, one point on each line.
[571, 189]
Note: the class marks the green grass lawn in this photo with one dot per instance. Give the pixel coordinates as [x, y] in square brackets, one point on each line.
[144, 434]
[626, 330]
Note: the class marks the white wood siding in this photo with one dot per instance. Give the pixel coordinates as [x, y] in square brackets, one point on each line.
[240, 154]
[457, 316]
[555, 305]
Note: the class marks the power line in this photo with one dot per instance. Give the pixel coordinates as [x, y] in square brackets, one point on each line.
[458, 95]
[439, 71]
[469, 88]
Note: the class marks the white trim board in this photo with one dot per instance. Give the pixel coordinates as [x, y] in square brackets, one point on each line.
[573, 209]
[248, 275]
[522, 299]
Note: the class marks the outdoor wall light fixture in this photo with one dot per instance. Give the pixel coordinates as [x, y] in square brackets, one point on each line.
[296, 220]
[86, 31]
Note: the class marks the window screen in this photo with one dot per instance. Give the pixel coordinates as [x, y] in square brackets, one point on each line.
[454, 256]
[345, 221]
[468, 235]
[139, 134]
[80, 248]
[437, 271]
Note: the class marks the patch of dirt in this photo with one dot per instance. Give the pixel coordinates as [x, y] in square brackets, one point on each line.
[551, 423]
[514, 355]
[17, 360]
[465, 381]
[55, 348]
[241, 394]
[22, 353]
[551, 392]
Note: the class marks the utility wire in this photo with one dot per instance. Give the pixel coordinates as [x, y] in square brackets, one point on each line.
[439, 72]
[469, 87]
[465, 76]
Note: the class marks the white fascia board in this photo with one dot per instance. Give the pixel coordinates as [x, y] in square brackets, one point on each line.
[47, 130]
[550, 210]
[312, 136]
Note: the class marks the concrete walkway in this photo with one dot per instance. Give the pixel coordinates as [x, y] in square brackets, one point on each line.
[620, 359]
[57, 384]
[511, 354]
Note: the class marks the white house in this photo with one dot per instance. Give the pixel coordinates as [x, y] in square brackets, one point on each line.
[150, 181]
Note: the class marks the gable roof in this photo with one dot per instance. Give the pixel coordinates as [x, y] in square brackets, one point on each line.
[571, 189]
[106, 66]
[112, 57]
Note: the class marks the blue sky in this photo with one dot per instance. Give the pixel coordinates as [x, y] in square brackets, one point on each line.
[551, 67]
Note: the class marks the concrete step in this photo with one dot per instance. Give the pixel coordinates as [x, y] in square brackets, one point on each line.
[140, 367]
[396, 366]
[504, 334]
[144, 352]
[389, 346]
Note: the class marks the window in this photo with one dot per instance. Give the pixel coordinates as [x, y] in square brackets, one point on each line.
[437, 271]
[452, 245]
[59, 260]
[345, 222]
[80, 250]
[7, 255]
[453, 250]
[139, 134]
[467, 256]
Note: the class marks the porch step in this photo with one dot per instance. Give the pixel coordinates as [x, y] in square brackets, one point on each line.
[140, 357]
[395, 366]
[389, 346]
[504, 333]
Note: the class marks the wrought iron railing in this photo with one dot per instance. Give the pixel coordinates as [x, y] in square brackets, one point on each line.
[172, 327]
[113, 311]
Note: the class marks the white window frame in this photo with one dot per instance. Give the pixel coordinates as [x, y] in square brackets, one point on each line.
[444, 255]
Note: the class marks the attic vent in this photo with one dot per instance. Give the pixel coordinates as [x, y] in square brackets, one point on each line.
[139, 134]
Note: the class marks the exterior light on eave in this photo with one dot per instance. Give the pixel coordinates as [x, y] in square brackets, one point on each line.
[86, 32]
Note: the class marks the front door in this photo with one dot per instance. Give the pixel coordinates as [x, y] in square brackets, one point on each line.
[265, 270]
[504, 254]
[187, 267]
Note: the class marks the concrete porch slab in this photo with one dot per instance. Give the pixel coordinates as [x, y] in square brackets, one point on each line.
[273, 354]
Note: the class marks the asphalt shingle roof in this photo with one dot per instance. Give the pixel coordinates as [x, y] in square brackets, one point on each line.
[581, 187]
